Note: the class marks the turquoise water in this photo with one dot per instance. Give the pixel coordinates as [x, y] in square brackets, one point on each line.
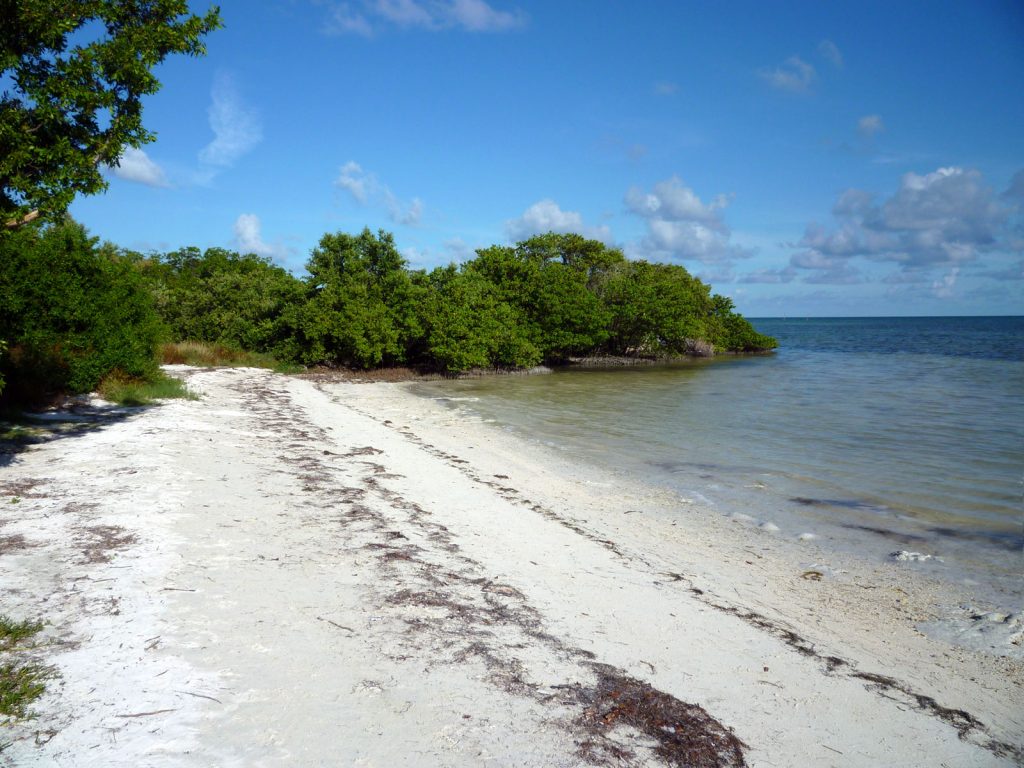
[875, 434]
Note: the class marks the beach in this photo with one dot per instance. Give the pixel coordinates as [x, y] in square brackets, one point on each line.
[315, 572]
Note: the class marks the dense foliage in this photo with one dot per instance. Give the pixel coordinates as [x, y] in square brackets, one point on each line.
[361, 306]
[222, 297]
[71, 312]
[74, 74]
[550, 298]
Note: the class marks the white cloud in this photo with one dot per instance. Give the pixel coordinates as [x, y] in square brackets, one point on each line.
[405, 13]
[353, 178]
[345, 20]
[478, 16]
[135, 165]
[365, 17]
[943, 288]
[794, 74]
[671, 200]
[666, 88]
[367, 189]
[942, 219]
[547, 216]
[830, 51]
[236, 127]
[247, 235]
[408, 215]
[869, 125]
[680, 226]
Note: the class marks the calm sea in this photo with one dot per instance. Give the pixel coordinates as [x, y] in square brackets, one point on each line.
[873, 434]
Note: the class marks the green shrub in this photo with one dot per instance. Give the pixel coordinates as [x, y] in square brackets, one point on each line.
[70, 313]
[467, 325]
[363, 304]
[222, 297]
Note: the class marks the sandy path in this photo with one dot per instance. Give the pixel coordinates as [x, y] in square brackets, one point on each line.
[286, 573]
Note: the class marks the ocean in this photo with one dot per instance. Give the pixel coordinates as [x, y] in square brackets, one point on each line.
[873, 435]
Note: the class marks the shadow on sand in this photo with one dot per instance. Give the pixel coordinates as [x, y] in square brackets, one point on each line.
[19, 432]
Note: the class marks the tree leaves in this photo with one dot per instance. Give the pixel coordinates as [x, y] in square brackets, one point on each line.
[65, 111]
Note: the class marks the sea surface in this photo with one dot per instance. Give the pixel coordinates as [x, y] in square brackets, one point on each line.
[876, 435]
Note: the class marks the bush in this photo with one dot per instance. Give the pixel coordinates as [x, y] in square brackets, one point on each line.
[224, 298]
[71, 313]
[468, 325]
[363, 304]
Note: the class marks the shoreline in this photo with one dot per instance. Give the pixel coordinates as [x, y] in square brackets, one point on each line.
[326, 557]
[977, 558]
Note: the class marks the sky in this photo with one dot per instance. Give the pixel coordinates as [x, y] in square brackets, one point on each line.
[804, 158]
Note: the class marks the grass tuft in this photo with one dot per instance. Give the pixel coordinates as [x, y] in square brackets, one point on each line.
[125, 390]
[20, 685]
[21, 682]
[13, 632]
[203, 354]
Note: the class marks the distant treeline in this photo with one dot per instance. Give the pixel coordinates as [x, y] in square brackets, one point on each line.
[72, 311]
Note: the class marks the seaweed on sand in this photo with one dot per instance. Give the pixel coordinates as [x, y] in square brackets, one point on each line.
[685, 734]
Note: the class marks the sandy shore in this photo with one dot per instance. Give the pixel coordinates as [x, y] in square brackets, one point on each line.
[291, 572]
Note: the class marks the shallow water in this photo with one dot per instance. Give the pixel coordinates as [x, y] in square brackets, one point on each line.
[874, 434]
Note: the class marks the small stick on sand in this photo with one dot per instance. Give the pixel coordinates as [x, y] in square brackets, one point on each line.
[336, 624]
[147, 714]
[200, 696]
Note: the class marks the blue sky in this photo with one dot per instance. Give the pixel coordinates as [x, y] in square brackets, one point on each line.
[805, 158]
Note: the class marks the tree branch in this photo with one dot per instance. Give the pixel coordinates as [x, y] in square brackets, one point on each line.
[15, 223]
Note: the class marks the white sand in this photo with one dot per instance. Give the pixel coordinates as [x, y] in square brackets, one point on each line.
[287, 573]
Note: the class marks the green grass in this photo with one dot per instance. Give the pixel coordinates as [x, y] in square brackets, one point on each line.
[13, 632]
[21, 682]
[202, 354]
[19, 433]
[128, 391]
[20, 685]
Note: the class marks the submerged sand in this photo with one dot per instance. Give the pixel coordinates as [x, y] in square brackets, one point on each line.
[292, 572]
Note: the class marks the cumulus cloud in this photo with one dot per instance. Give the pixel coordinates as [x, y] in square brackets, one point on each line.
[367, 189]
[831, 53]
[135, 165]
[939, 220]
[673, 201]
[794, 75]
[367, 16]
[547, 216]
[869, 125]
[250, 240]
[681, 226]
[236, 127]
